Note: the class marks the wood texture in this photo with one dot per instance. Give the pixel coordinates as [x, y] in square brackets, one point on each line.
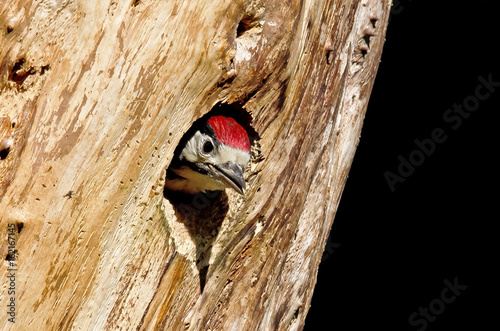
[94, 97]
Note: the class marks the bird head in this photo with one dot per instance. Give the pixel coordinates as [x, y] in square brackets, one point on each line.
[213, 158]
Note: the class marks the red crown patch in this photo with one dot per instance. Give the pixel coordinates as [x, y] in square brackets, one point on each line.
[229, 132]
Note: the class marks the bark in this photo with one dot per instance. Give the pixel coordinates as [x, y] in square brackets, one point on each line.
[94, 97]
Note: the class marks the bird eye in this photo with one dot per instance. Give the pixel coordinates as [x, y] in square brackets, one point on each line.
[208, 147]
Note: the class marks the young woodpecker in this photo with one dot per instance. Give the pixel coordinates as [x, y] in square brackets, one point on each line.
[212, 159]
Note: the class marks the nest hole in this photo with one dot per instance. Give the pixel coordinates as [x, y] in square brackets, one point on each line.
[234, 110]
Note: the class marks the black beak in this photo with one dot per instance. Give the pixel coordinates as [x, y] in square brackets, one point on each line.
[231, 174]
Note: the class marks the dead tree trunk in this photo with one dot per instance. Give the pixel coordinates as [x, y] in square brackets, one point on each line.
[94, 97]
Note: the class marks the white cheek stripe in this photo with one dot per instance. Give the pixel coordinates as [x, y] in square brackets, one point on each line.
[190, 152]
[230, 154]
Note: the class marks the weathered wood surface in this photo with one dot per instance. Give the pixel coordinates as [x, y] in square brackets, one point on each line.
[94, 97]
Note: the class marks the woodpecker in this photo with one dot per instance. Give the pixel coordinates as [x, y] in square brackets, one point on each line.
[212, 158]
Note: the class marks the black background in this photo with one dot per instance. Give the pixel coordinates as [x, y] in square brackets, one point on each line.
[390, 252]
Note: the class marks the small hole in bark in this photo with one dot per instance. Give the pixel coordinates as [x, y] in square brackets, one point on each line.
[17, 66]
[329, 56]
[296, 314]
[135, 3]
[244, 26]
[18, 74]
[297, 311]
[4, 152]
[20, 226]
[9, 29]
[247, 23]
[44, 69]
[366, 37]
[373, 21]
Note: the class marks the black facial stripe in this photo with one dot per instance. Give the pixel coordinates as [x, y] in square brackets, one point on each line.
[194, 167]
[207, 129]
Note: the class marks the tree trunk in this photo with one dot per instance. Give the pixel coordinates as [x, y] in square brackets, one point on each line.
[94, 97]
